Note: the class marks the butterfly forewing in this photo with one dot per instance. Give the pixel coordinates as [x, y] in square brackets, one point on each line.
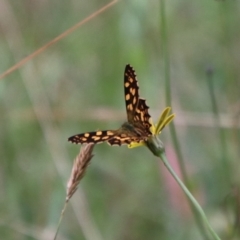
[137, 109]
[92, 137]
[131, 91]
[117, 137]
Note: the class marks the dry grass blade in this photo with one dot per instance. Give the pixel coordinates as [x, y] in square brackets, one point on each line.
[79, 168]
[64, 34]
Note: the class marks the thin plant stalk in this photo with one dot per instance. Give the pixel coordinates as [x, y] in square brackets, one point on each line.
[78, 170]
[157, 148]
[56, 39]
[176, 142]
[189, 195]
[166, 63]
[222, 137]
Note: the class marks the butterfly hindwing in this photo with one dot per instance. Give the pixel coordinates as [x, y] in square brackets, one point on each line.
[124, 136]
[141, 115]
[118, 140]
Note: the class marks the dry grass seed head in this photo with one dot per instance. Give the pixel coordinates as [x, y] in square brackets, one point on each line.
[79, 168]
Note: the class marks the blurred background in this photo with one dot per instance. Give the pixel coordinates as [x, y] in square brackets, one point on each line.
[76, 85]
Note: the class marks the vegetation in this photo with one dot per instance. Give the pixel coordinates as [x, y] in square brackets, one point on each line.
[186, 55]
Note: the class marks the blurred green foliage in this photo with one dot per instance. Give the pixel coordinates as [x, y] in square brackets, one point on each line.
[76, 85]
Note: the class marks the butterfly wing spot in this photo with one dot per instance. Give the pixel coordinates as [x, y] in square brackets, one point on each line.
[105, 138]
[95, 138]
[123, 135]
[109, 133]
[134, 100]
[127, 84]
[99, 133]
[127, 97]
[86, 135]
[132, 91]
[130, 107]
[131, 79]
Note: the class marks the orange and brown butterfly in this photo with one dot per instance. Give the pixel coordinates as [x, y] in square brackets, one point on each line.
[137, 127]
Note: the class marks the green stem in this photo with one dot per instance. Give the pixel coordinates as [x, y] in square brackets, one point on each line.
[157, 148]
[60, 219]
[189, 195]
[222, 136]
[165, 53]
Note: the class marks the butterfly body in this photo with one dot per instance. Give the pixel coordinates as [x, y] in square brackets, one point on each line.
[137, 127]
[134, 130]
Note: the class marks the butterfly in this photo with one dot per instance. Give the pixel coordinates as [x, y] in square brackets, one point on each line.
[137, 126]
